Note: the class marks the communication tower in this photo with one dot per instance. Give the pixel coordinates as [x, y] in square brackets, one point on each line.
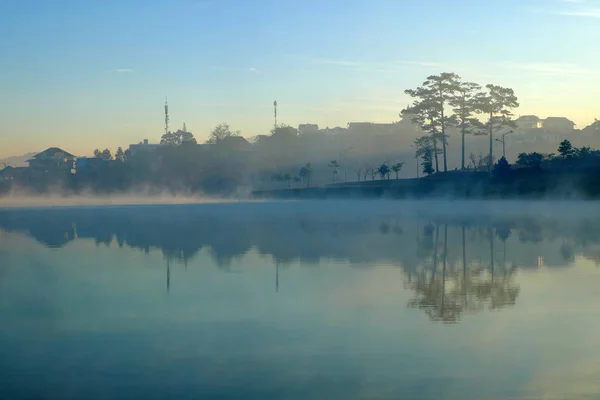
[275, 109]
[166, 116]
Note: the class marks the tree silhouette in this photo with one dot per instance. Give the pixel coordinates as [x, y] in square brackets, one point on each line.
[170, 139]
[427, 162]
[334, 165]
[373, 172]
[464, 103]
[425, 113]
[443, 87]
[397, 167]
[104, 154]
[496, 104]
[530, 160]
[502, 167]
[120, 155]
[384, 171]
[358, 172]
[221, 132]
[565, 149]
[306, 173]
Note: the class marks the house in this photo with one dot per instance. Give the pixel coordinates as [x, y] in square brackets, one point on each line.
[559, 125]
[234, 143]
[371, 128]
[88, 163]
[307, 129]
[526, 122]
[143, 148]
[333, 131]
[52, 159]
[9, 173]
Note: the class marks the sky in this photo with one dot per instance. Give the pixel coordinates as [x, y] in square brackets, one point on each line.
[84, 75]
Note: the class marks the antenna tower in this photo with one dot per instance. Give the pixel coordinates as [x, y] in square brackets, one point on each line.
[275, 108]
[166, 116]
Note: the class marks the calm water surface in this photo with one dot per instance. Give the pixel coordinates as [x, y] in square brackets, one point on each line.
[301, 300]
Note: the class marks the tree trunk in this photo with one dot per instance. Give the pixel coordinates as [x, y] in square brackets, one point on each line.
[464, 262]
[490, 162]
[444, 139]
[444, 270]
[435, 153]
[492, 254]
[462, 165]
[435, 253]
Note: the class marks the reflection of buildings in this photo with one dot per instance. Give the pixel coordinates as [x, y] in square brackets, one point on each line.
[459, 264]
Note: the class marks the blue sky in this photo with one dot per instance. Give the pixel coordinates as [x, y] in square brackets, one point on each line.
[81, 75]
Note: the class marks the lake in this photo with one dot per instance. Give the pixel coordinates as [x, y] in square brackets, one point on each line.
[299, 300]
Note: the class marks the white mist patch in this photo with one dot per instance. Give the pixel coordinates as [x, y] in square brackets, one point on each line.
[30, 201]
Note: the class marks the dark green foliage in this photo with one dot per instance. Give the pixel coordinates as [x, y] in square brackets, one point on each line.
[221, 132]
[427, 162]
[177, 138]
[120, 155]
[530, 160]
[397, 167]
[104, 154]
[565, 149]
[384, 171]
[502, 167]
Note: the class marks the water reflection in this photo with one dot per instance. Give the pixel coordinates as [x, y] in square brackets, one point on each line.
[453, 262]
[299, 300]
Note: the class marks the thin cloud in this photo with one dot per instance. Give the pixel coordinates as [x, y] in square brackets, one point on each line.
[567, 8]
[390, 66]
[219, 68]
[587, 13]
[125, 70]
[555, 68]
[579, 8]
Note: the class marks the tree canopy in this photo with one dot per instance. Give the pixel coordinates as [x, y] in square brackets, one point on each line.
[221, 132]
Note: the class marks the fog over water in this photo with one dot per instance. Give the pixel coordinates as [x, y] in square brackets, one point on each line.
[305, 299]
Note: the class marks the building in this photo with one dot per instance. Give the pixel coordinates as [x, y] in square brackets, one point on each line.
[526, 122]
[371, 128]
[9, 173]
[308, 129]
[334, 131]
[559, 125]
[52, 160]
[234, 143]
[143, 148]
[88, 163]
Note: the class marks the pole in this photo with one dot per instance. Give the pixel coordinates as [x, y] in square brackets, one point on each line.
[345, 169]
[417, 158]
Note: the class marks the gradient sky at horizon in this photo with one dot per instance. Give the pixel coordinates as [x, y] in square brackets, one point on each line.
[81, 75]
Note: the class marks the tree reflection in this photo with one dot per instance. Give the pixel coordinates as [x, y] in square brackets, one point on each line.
[453, 263]
[445, 297]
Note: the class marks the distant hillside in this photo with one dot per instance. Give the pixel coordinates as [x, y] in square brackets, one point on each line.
[18, 161]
